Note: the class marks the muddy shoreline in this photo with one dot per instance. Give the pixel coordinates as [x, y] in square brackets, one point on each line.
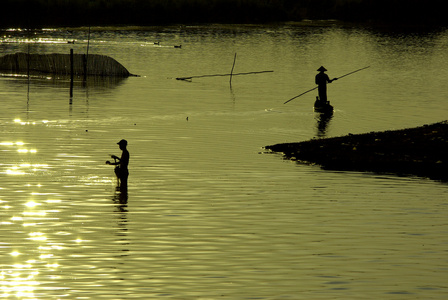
[420, 151]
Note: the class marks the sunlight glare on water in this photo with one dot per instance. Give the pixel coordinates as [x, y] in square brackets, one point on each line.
[209, 214]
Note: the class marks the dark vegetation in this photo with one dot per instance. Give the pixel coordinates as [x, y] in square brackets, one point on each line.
[40, 13]
[421, 151]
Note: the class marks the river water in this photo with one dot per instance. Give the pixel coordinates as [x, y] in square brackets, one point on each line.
[209, 214]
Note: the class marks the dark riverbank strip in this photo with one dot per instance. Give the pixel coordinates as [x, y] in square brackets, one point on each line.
[420, 151]
[73, 13]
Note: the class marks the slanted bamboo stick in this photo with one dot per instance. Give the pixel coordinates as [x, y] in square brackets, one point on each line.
[214, 75]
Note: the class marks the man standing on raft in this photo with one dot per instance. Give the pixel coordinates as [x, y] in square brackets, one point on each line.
[321, 81]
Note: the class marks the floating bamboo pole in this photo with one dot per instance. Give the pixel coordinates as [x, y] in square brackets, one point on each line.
[215, 75]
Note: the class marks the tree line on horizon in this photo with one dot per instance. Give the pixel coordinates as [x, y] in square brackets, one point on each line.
[41, 13]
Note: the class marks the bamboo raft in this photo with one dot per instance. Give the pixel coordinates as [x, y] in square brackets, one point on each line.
[61, 64]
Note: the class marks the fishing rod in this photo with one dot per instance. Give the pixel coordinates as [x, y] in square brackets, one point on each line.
[317, 86]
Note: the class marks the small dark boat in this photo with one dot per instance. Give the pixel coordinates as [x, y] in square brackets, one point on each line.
[323, 106]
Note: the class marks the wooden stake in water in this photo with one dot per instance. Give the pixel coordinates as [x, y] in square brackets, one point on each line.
[88, 42]
[231, 72]
[28, 75]
[71, 73]
[86, 58]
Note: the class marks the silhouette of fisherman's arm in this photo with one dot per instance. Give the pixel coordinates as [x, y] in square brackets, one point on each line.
[323, 78]
[123, 161]
[116, 162]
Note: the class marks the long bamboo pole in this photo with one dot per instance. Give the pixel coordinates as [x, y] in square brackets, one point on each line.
[301, 94]
[317, 87]
[353, 72]
[214, 75]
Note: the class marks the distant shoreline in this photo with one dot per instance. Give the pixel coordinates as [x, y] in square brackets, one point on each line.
[76, 13]
[420, 151]
[235, 27]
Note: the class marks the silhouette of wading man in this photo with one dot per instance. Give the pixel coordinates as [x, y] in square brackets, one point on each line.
[121, 169]
[321, 80]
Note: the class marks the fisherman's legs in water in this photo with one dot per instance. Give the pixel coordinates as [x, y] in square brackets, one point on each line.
[122, 177]
[124, 181]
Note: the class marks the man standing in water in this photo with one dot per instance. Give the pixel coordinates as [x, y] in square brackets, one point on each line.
[121, 169]
[321, 81]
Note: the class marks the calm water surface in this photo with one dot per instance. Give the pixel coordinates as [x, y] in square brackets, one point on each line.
[209, 214]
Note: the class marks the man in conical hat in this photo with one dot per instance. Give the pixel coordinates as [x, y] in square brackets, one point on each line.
[321, 81]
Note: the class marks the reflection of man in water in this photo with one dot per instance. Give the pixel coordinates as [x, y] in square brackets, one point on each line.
[321, 81]
[121, 169]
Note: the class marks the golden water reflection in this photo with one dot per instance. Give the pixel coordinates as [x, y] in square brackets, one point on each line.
[25, 168]
[24, 269]
[19, 121]
[207, 216]
[21, 168]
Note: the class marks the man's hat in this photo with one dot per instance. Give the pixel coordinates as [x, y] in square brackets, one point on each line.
[123, 142]
[322, 69]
